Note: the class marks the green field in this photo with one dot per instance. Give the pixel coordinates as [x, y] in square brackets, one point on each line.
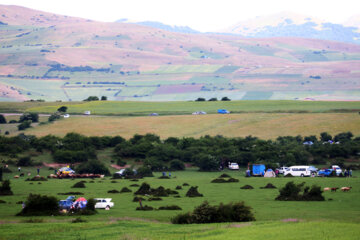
[338, 216]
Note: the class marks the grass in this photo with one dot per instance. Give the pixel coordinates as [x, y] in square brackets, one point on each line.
[171, 108]
[338, 218]
[262, 125]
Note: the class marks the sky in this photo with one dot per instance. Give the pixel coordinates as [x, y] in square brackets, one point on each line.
[202, 15]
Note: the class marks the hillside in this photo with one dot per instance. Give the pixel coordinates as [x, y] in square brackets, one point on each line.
[288, 24]
[52, 57]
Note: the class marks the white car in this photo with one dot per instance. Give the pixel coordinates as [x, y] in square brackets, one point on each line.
[103, 203]
[337, 169]
[282, 169]
[66, 115]
[234, 166]
[199, 113]
[298, 171]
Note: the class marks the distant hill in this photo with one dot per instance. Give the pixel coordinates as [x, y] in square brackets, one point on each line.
[288, 24]
[54, 57]
[159, 25]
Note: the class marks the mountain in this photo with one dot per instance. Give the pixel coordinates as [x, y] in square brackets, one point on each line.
[53, 57]
[159, 25]
[287, 24]
[353, 21]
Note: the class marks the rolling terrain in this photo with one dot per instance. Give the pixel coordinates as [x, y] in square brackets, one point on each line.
[53, 57]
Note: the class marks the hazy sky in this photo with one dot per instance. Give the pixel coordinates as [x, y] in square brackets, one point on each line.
[203, 15]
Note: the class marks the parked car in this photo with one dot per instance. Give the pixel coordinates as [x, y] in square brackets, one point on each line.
[282, 169]
[87, 113]
[223, 111]
[298, 171]
[337, 169]
[153, 114]
[325, 172]
[199, 113]
[66, 115]
[233, 166]
[103, 203]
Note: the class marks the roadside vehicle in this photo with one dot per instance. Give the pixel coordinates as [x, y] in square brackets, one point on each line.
[66, 204]
[337, 169]
[103, 203]
[199, 113]
[325, 172]
[298, 171]
[223, 111]
[233, 166]
[282, 169]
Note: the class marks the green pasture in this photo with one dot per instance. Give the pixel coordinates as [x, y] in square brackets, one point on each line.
[186, 69]
[324, 220]
[143, 108]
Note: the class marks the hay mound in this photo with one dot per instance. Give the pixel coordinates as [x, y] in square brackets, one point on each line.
[159, 192]
[224, 175]
[269, 185]
[125, 190]
[113, 191]
[247, 187]
[193, 192]
[178, 187]
[79, 185]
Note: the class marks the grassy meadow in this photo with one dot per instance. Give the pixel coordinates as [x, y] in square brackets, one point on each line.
[324, 220]
[262, 125]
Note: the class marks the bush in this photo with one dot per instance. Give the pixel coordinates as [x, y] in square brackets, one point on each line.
[177, 165]
[37, 205]
[93, 166]
[53, 117]
[144, 172]
[2, 119]
[78, 185]
[185, 184]
[113, 191]
[78, 220]
[200, 99]
[13, 121]
[224, 175]
[125, 190]
[178, 187]
[137, 199]
[212, 99]
[134, 185]
[90, 205]
[206, 162]
[36, 178]
[297, 192]
[269, 185]
[24, 125]
[24, 162]
[225, 99]
[5, 188]
[205, 213]
[62, 109]
[32, 117]
[193, 192]
[2, 201]
[171, 207]
[155, 199]
[145, 208]
[144, 189]
[92, 98]
[247, 187]
[159, 192]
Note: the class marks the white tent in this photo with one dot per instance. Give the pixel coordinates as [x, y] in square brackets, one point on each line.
[269, 173]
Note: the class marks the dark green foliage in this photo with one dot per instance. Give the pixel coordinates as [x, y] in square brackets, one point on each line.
[53, 117]
[93, 166]
[178, 187]
[32, 117]
[186, 184]
[163, 177]
[193, 192]
[5, 188]
[206, 162]
[1, 174]
[171, 207]
[223, 180]
[24, 125]
[103, 98]
[79, 185]
[205, 213]
[38, 205]
[144, 189]
[324, 136]
[2, 201]
[247, 187]
[137, 199]
[7, 132]
[71, 193]
[68, 156]
[125, 190]
[212, 99]
[145, 208]
[269, 185]
[134, 185]
[200, 100]
[144, 172]
[159, 192]
[225, 99]
[13, 121]
[224, 175]
[25, 162]
[62, 109]
[90, 205]
[113, 181]
[155, 199]
[297, 192]
[113, 191]
[177, 165]
[288, 175]
[91, 98]
[2, 119]
[36, 179]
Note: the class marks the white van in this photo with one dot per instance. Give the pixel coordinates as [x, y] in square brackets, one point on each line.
[298, 171]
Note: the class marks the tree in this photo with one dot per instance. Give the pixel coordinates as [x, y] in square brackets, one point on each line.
[25, 162]
[200, 100]
[177, 165]
[93, 166]
[212, 99]
[103, 98]
[206, 162]
[92, 98]
[2, 119]
[38, 205]
[225, 99]
[324, 136]
[62, 109]
[53, 117]
[33, 117]
[24, 125]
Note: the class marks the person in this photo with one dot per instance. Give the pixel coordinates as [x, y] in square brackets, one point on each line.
[19, 168]
[345, 173]
[248, 173]
[350, 173]
[169, 174]
[164, 174]
[38, 171]
[277, 172]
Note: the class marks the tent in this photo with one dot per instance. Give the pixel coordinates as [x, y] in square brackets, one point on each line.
[269, 173]
[66, 170]
[79, 203]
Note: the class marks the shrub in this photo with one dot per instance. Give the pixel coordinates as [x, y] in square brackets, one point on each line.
[36, 178]
[53, 117]
[171, 207]
[134, 185]
[205, 213]
[269, 185]
[92, 98]
[200, 99]
[93, 166]
[219, 180]
[212, 99]
[145, 208]
[78, 185]
[125, 190]
[247, 187]
[25, 162]
[288, 175]
[90, 205]
[38, 205]
[144, 172]
[137, 199]
[113, 191]
[13, 121]
[193, 192]
[155, 199]
[62, 109]
[24, 125]
[178, 187]
[206, 162]
[297, 192]
[159, 192]
[164, 177]
[2, 201]
[1, 174]
[186, 184]
[225, 99]
[144, 189]
[177, 165]
[5, 188]
[32, 117]
[224, 175]
[2, 119]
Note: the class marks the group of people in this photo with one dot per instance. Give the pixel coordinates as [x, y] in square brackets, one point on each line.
[347, 173]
